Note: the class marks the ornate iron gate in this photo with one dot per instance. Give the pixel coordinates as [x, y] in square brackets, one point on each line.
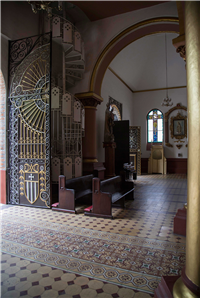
[135, 147]
[29, 121]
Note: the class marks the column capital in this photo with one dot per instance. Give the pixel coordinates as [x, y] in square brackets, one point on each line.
[89, 99]
[179, 44]
[182, 51]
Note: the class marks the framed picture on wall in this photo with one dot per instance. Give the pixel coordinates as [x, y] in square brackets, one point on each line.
[116, 107]
[178, 126]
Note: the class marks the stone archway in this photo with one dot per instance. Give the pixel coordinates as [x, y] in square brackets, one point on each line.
[129, 35]
[93, 97]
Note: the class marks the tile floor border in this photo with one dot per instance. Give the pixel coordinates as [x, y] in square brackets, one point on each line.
[126, 278]
[157, 244]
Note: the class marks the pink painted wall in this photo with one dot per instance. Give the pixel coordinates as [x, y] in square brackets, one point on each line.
[2, 187]
[18, 20]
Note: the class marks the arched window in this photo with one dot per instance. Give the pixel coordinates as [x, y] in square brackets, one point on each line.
[155, 126]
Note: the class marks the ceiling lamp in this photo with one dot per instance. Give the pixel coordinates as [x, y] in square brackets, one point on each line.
[44, 5]
[166, 101]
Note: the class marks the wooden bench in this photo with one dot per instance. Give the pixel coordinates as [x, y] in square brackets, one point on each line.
[71, 190]
[107, 193]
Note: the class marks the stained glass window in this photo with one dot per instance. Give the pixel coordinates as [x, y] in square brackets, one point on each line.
[155, 126]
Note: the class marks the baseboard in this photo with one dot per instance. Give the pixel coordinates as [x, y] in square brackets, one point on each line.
[177, 165]
[174, 165]
[144, 165]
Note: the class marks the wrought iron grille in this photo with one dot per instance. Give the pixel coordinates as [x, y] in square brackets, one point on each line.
[29, 121]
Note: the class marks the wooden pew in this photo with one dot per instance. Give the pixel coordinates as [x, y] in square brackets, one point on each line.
[108, 193]
[71, 190]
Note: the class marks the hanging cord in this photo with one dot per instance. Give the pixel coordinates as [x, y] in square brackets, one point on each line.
[167, 100]
[166, 65]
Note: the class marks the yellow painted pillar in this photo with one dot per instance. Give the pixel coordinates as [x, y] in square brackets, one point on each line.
[189, 283]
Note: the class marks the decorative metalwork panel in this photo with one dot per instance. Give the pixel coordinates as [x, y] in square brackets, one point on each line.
[67, 130]
[20, 48]
[29, 126]
[2, 123]
[135, 145]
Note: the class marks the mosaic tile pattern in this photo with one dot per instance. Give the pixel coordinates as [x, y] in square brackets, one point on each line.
[121, 255]
[127, 255]
[24, 278]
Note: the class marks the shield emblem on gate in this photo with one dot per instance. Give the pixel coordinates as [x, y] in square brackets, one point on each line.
[31, 183]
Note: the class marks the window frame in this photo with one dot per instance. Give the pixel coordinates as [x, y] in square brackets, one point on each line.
[148, 144]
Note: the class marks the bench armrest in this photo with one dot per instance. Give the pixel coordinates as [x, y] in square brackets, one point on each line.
[66, 196]
[101, 201]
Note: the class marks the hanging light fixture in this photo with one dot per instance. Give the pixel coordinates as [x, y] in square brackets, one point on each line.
[44, 5]
[166, 101]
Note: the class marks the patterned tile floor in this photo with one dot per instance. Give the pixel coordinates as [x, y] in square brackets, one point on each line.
[54, 254]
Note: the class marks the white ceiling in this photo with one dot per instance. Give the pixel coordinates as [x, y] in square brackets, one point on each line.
[142, 64]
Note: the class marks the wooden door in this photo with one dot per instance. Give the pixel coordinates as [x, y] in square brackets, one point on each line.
[121, 133]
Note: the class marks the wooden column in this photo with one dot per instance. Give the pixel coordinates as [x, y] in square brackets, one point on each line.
[89, 145]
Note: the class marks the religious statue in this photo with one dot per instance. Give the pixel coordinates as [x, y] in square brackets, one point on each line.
[178, 128]
[109, 123]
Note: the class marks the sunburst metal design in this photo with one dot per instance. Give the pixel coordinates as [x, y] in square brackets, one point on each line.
[35, 81]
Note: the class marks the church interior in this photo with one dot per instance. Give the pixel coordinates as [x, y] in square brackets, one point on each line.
[99, 154]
